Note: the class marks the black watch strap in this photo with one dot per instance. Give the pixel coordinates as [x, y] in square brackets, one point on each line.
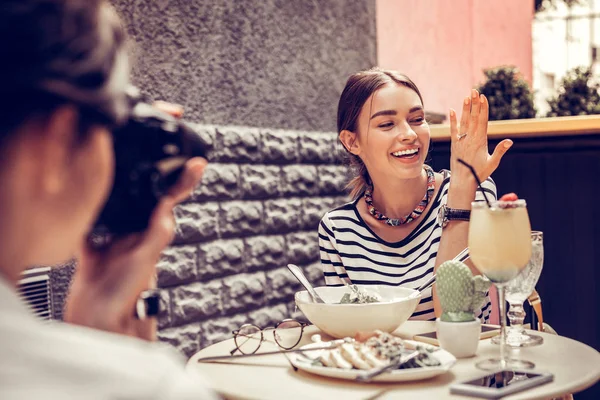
[454, 214]
[447, 214]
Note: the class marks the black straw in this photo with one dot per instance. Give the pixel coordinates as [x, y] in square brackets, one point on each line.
[476, 179]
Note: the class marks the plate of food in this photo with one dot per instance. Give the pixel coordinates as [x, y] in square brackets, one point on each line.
[349, 358]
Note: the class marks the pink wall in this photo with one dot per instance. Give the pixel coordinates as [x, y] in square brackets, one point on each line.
[444, 45]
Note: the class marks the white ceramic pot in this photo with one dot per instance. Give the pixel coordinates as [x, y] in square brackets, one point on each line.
[459, 338]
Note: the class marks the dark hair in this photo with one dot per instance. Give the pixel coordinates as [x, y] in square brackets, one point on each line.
[358, 88]
[56, 52]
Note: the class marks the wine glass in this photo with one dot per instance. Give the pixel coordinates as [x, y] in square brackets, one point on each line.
[517, 291]
[500, 248]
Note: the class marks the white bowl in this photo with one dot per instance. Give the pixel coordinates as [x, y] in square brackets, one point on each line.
[341, 320]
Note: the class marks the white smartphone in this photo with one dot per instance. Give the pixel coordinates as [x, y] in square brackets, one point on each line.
[498, 384]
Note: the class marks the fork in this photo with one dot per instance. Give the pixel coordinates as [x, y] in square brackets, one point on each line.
[367, 376]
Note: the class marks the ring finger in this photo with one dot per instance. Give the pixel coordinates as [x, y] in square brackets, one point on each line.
[464, 117]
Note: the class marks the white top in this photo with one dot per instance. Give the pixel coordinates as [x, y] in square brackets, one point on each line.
[54, 360]
[351, 251]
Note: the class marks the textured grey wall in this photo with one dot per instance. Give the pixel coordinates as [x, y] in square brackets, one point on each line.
[263, 63]
[257, 210]
[263, 77]
[266, 64]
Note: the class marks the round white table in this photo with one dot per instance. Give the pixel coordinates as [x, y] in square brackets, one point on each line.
[575, 366]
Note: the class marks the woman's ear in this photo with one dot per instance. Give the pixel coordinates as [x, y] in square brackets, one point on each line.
[349, 141]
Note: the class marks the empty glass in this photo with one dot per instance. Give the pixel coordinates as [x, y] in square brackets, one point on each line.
[517, 291]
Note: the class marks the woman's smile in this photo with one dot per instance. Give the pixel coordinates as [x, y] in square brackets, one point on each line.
[408, 156]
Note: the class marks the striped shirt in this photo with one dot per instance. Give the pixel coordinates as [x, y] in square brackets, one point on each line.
[350, 250]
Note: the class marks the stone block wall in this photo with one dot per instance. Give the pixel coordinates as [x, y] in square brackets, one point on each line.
[278, 66]
[256, 210]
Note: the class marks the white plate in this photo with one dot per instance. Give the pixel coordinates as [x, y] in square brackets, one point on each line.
[446, 360]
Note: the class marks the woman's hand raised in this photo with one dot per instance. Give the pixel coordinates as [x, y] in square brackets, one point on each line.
[470, 140]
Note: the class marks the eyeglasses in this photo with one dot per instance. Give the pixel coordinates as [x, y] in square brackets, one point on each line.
[249, 337]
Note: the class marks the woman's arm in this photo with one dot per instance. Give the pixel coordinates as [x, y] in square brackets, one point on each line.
[468, 142]
[107, 283]
[455, 234]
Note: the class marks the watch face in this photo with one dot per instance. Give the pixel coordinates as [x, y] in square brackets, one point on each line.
[441, 218]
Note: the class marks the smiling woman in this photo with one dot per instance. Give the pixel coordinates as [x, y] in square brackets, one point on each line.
[404, 219]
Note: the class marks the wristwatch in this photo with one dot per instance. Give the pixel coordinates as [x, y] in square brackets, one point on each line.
[147, 305]
[447, 214]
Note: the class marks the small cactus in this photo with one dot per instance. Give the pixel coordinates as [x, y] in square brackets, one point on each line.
[461, 294]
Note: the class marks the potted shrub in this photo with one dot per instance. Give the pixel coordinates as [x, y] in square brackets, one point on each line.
[578, 94]
[508, 94]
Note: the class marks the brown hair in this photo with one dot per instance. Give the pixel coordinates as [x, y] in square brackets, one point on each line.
[57, 52]
[358, 88]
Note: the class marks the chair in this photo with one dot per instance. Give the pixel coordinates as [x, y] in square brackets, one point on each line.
[535, 302]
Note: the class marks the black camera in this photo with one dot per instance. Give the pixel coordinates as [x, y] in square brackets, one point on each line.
[150, 149]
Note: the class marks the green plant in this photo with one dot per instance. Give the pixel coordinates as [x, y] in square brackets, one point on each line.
[508, 94]
[577, 95]
[542, 5]
[461, 294]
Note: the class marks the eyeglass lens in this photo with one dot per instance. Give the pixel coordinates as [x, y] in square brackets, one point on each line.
[288, 334]
[248, 339]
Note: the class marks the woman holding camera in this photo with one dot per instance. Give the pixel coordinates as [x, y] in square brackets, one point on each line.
[64, 74]
[405, 219]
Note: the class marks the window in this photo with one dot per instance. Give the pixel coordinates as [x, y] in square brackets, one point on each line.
[548, 80]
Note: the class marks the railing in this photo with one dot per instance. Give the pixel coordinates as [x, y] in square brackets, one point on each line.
[531, 128]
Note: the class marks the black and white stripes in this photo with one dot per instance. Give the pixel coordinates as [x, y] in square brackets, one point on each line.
[350, 250]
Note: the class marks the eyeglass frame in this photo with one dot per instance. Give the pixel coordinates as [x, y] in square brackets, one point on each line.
[262, 336]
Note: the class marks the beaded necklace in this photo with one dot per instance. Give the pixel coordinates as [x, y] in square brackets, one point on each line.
[416, 213]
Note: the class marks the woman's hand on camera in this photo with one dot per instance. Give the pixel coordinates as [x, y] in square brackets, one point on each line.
[470, 140]
[107, 283]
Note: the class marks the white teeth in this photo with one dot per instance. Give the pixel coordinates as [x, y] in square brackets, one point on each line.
[405, 152]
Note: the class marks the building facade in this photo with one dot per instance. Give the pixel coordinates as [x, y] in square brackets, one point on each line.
[444, 46]
[563, 38]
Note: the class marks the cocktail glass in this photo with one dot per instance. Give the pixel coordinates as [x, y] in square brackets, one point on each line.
[500, 248]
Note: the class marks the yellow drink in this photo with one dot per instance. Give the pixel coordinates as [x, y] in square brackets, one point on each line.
[500, 239]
